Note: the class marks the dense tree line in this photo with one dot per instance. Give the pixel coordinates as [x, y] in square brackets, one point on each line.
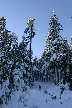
[18, 68]
[56, 59]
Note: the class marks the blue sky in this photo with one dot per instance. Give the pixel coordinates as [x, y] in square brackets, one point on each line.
[17, 13]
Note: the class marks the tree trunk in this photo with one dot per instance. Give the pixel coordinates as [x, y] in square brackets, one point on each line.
[56, 76]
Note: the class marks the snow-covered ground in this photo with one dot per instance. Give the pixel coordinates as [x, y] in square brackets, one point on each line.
[35, 98]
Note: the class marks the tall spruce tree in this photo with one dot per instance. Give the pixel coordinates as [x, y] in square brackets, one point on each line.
[13, 58]
[5, 60]
[30, 32]
[65, 51]
[5, 46]
[54, 47]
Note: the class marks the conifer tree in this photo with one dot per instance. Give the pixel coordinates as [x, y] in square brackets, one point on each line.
[30, 31]
[54, 46]
[4, 49]
[5, 59]
[64, 50]
[13, 58]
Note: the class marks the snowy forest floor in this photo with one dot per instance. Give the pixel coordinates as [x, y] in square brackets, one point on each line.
[35, 98]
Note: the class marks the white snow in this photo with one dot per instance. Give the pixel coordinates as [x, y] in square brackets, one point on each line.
[26, 65]
[34, 68]
[53, 57]
[35, 97]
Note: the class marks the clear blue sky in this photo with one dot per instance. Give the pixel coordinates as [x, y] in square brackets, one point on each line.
[17, 12]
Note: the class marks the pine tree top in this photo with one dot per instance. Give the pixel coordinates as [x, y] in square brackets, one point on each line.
[53, 12]
[2, 19]
[53, 16]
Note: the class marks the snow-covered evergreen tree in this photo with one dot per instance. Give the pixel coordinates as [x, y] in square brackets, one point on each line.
[5, 60]
[30, 34]
[55, 44]
[4, 50]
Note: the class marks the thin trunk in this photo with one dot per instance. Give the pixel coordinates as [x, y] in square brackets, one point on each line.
[59, 77]
[56, 76]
